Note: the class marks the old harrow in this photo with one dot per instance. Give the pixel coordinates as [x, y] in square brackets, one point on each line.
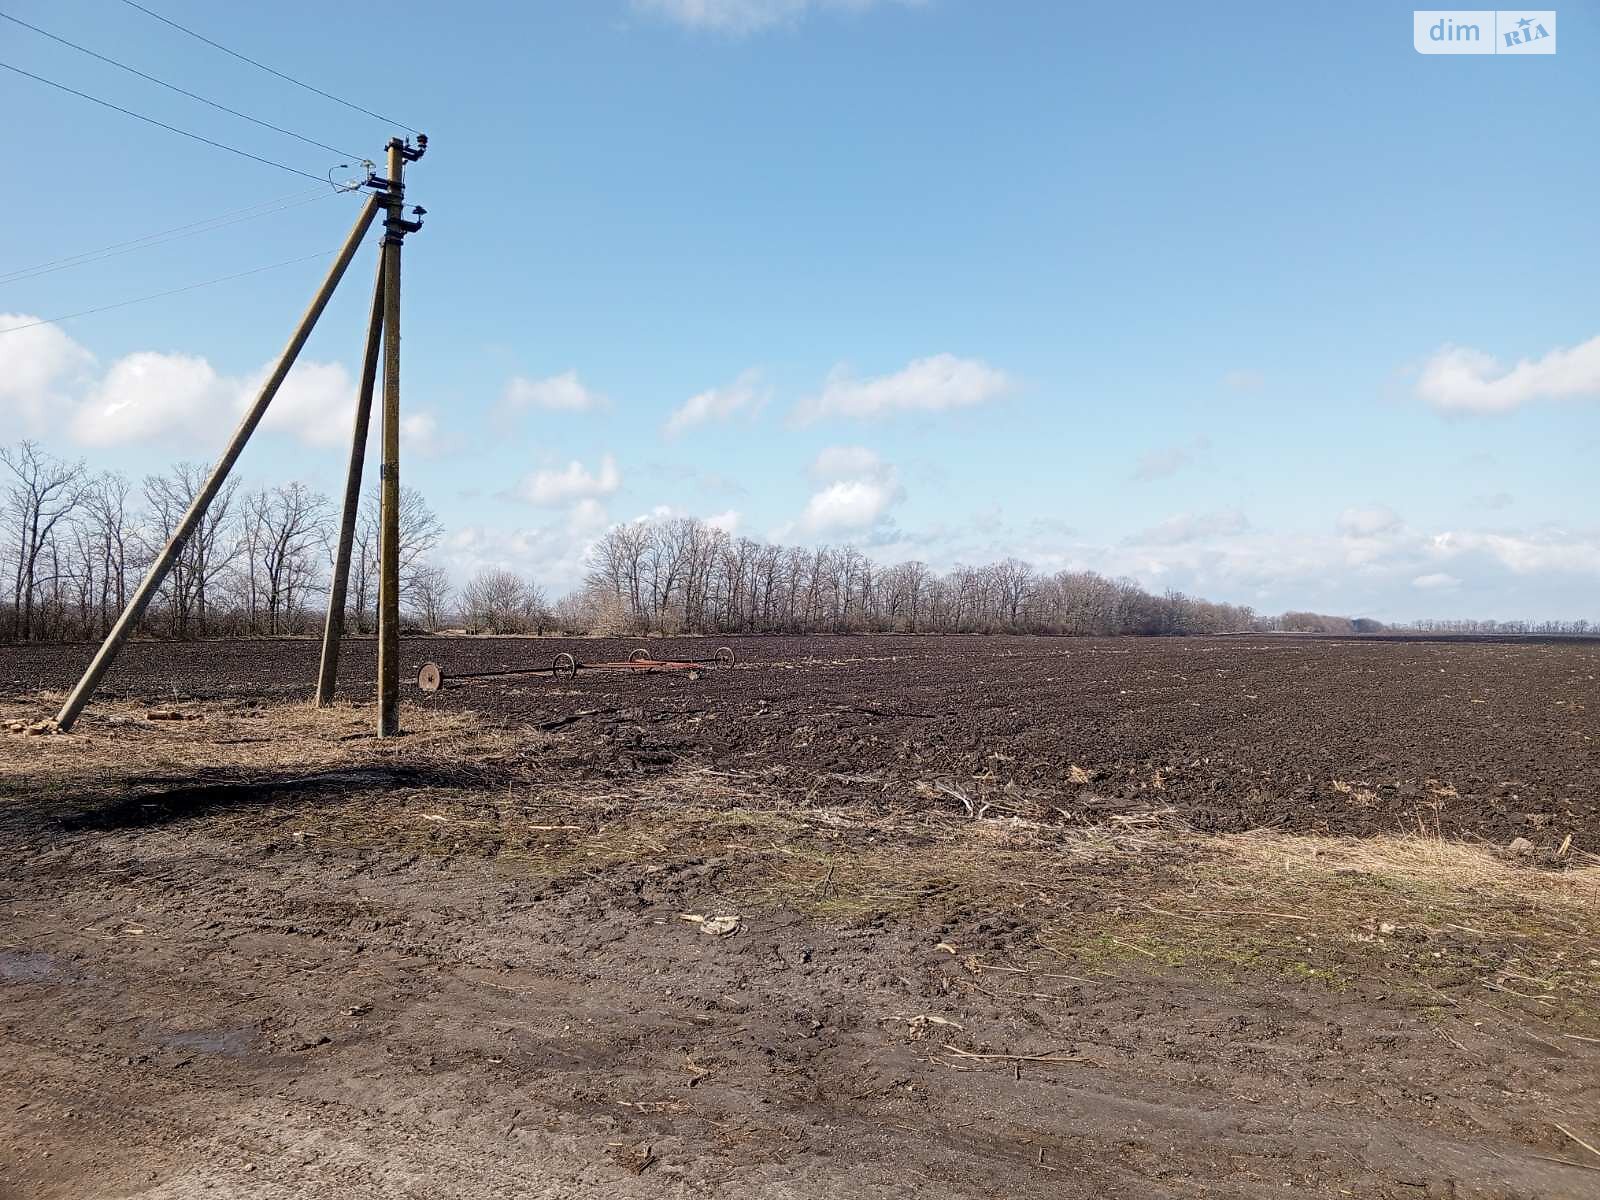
[431, 676]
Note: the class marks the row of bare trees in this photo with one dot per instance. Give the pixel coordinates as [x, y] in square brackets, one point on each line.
[682, 575]
[73, 545]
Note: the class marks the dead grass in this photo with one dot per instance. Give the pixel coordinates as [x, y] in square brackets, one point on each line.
[1414, 913]
[116, 742]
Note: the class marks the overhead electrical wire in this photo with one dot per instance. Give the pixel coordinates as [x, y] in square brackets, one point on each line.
[163, 237]
[128, 112]
[171, 292]
[269, 70]
[232, 112]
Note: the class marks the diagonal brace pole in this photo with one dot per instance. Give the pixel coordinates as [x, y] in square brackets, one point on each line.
[107, 654]
[333, 630]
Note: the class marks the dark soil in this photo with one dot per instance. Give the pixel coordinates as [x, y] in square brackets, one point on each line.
[1469, 739]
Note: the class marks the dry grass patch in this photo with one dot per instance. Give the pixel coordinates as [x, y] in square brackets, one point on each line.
[118, 743]
[1412, 914]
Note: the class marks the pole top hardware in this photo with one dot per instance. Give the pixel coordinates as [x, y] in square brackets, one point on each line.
[407, 151]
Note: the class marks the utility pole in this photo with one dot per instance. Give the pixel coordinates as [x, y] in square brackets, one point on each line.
[146, 590]
[387, 194]
[395, 228]
[333, 630]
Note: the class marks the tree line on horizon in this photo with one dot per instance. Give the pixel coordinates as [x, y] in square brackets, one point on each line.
[74, 543]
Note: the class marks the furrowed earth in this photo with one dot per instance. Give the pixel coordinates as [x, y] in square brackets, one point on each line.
[856, 917]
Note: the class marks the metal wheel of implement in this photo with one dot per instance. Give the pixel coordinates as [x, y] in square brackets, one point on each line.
[639, 655]
[430, 678]
[566, 666]
[724, 656]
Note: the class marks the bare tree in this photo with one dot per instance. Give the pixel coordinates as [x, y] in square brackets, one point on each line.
[430, 596]
[209, 552]
[420, 531]
[289, 539]
[43, 492]
[495, 601]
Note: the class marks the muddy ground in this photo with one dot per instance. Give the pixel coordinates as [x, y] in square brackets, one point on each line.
[860, 917]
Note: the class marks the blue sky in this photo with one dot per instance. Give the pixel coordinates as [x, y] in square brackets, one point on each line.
[1250, 300]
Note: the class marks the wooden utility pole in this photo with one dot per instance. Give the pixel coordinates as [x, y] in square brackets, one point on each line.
[395, 228]
[146, 590]
[333, 630]
[387, 194]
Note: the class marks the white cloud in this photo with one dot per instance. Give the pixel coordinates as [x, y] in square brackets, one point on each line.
[549, 488]
[1525, 553]
[1368, 522]
[551, 555]
[847, 505]
[1244, 380]
[1437, 581]
[147, 396]
[751, 16]
[924, 385]
[40, 369]
[745, 394]
[858, 491]
[558, 393]
[168, 399]
[727, 521]
[316, 404]
[420, 435]
[1460, 379]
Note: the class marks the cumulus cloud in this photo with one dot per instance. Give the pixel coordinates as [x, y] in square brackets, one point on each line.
[1368, 522]
[857, 491]
[420, 435]
[744, 395]
[1525, 553]
[924, 385]
[147, 396]
[752, 16]
[316, 404]
[41, 369]
[49, 383]
[557, 393]
[1461, 379]
[573, 482]
[849, 504]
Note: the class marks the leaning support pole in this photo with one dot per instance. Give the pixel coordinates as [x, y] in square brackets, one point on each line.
[389, 472]
[333, 631]
[141, 598]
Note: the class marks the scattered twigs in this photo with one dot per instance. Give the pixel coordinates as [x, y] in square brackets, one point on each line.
[1576, 1138]
[1039, 1058]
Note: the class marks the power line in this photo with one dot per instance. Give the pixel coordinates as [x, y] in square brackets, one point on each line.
[128, 112]
[161, 238]
[233, 112]
[263, 66]
[159, 295]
